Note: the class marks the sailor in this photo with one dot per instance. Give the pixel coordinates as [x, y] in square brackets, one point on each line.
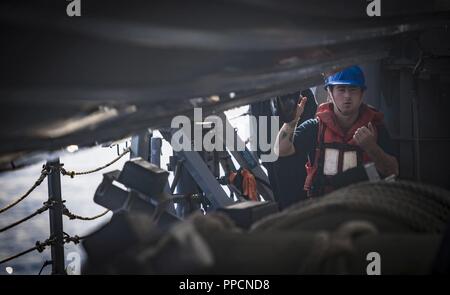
[346, 133]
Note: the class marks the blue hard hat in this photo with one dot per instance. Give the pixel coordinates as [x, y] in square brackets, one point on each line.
[349, 76]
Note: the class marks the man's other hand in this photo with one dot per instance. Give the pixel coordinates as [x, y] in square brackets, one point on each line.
[365, 137]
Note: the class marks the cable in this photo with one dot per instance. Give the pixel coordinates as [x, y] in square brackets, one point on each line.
[45, 171]
[47, 262]
[409, 205]
[39, 246]
[75, 239]
[74, 216]
[44, 208]
[18, 255]
[73, 173]
[331, 251]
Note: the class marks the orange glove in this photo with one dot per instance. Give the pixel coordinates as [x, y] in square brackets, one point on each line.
[249, 185]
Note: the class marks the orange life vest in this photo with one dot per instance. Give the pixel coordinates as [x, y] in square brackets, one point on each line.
[336, 151]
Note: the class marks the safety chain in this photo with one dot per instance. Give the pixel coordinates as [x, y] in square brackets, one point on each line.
[75, 239]
[39, 247]
[47, 205]
[46, 170]
[74, 216]
[73, 173]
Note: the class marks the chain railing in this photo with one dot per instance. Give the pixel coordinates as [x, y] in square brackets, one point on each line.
[47, 170]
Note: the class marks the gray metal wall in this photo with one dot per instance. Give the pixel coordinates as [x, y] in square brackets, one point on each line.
[422, 144]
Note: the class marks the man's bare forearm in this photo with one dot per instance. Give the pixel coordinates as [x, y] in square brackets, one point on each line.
[284, 144]
[385, 164]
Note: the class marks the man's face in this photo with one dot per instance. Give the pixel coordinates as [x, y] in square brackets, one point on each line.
[347, 98]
